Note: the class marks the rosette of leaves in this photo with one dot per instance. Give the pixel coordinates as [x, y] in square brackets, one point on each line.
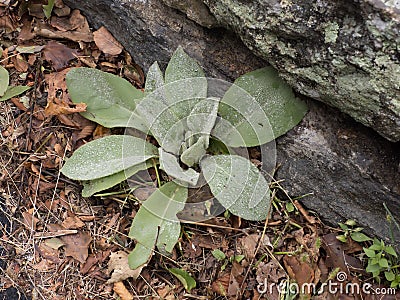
[176, 109]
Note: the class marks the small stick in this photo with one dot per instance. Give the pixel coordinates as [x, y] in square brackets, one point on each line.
[46, 235]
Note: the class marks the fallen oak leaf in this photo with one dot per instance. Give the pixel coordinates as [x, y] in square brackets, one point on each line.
[118, 265]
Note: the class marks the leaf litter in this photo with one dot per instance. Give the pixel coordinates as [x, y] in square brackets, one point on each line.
[62, 246]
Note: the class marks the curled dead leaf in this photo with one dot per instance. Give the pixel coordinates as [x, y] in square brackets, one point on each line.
[55, 109]
[122, 291]
[58, 102]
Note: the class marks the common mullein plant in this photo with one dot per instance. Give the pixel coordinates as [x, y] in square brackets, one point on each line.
[176, 109]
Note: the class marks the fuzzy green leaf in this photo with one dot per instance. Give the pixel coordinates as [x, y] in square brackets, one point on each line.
[185, 82]
[238, 185]
[182, 66]
[107, 156]
[188, 282]
[194, 153]
[13, 91]
[169, 163]
[156, 223]
[167, 107]
[111, 100]
[4, 80]
[199, 123]
[167, 128]
[97, 185]
[154, 78]
[268, 109]
[203, 116]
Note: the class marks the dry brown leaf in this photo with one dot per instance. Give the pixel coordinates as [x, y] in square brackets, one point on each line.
[220, 286]
[62, 11]
[134, 73]
[76, 245]
[300, 270]
[43, 266]
[336, 256]
[29, 220]
[75, 21]
[122, 291]
[86, 131]
[36, 9]
[81, 35]
[106, 42]
[58, 54]
[250, 242]
[7, 24]
[73, 223]
[118, 265]
[58, 102]
[49, 253]
[306, 215]
[19, 63]
[249, 245]
[236, 279]
[18, 104]
[269, 272]
[94, 259]
[26, 33]
[55, 109]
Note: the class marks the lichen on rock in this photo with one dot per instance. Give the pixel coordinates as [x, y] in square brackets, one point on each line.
[344, 53]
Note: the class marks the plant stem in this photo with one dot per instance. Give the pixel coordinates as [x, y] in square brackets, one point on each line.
[157, 175]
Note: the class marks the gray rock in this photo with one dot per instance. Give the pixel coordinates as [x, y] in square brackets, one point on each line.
[350, 170]
[195, 10]
[344, 53]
